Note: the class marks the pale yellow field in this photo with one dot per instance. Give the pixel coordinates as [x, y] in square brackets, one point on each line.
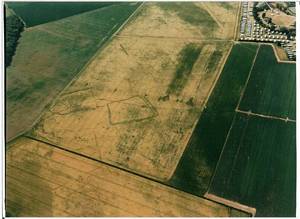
[114, 112]
[180, 20]
[120, 110]
[44, 181]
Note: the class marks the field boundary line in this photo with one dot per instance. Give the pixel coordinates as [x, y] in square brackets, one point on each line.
[173, 37]
[85, 12]
[203, 106]
[212, 15]
[248, 78]
[232, 204]
[94, 159]
[249, 113]
[236, 155]
[127, 20]
[237, 24]
[219, 73]
[221, 154]
[53, 33]
[53, 102]
[10, 140]
[13, 11]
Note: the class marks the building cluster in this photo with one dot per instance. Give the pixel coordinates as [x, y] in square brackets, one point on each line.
[251, 30]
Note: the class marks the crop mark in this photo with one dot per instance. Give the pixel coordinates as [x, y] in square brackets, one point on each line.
[123, 49]
[130, 112]
[186, 61]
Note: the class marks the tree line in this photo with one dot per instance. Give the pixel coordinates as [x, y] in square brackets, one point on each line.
[13, 28]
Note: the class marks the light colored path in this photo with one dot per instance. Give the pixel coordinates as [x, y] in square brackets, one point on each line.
[227, 202]
[249, 75]
[265, 116]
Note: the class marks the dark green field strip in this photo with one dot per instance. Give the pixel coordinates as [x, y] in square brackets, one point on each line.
[271, 89]
[50, 55]
[188, 56]
[198, 162]
[258, 166]
[93, 25]
[191, 14]
[35, 13]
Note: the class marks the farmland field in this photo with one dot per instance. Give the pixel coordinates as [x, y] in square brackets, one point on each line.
[200, 20]
[136, 104]
[258, 166]
[49, 56]
[272, 87]
[168, 117]
[45, 181]
[198, 162]
[35, 13]
[124, 113]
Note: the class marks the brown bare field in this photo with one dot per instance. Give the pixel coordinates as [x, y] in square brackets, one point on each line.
[281, 19]
[200, 20]
[44, 181]
[280, 53]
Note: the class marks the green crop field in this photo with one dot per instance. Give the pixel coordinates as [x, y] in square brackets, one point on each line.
[258, 166]
[50, 55]
[35, 13]
[198, 162]
[271, 89]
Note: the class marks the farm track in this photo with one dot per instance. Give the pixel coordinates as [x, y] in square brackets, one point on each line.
[237, 24]
[265, 116]
[233, 204]
[55, 33]
[249, 75]
[213, 16]
[172, 37]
